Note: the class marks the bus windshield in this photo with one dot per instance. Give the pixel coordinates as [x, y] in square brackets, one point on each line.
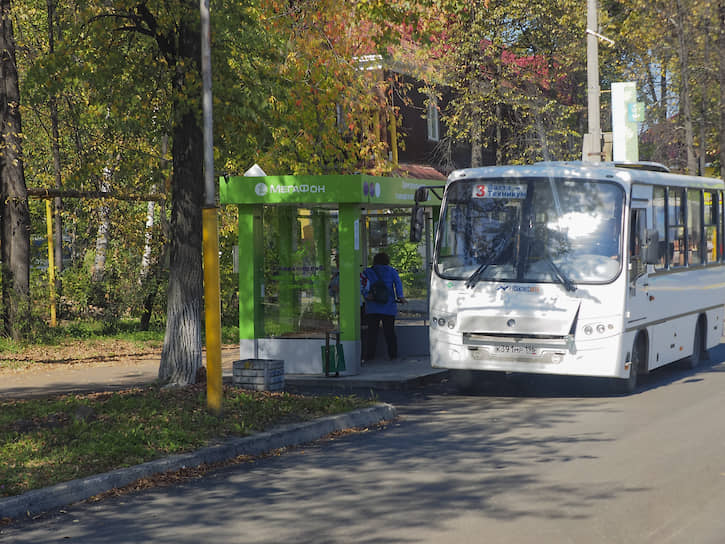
[554, 230]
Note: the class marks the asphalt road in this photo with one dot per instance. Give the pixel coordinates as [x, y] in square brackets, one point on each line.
[521, 460]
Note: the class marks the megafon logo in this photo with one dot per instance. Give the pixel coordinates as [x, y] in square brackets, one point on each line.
[371, 189]
[262, 189]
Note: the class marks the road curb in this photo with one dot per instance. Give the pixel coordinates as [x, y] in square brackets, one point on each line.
[49, 498]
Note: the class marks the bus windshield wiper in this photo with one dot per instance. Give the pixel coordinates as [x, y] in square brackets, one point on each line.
[559, 275]
[473, 278]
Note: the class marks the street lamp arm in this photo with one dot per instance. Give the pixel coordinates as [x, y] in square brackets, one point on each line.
[609, 41]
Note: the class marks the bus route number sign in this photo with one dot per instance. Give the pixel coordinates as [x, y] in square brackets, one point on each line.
[495, 190]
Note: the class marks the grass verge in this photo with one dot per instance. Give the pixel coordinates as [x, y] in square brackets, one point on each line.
[52, 440]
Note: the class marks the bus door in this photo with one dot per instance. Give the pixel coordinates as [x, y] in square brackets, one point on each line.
[638, 301]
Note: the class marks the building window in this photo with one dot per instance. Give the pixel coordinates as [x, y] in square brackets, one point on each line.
[433, 120]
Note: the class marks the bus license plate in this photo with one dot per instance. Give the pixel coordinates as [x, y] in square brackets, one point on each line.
[516, 349]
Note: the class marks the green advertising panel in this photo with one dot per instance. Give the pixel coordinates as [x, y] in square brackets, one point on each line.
[309, 190]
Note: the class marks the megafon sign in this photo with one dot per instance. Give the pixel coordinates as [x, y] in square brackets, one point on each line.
[262, 189]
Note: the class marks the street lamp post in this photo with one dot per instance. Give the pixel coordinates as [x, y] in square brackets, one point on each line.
[592, 149]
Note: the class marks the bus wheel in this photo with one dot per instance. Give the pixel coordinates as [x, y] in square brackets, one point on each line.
[627, 386]
[693, 361]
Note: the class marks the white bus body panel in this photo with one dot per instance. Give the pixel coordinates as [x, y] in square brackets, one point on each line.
[528, 328]
[672, 307]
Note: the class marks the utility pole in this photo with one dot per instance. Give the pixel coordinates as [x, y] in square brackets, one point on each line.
[592, 149]
[210, 234]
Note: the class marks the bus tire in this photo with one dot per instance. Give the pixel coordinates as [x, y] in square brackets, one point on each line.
[627, 386]
[698, 350]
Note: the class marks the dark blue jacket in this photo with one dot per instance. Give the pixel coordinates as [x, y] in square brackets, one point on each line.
[391, 278]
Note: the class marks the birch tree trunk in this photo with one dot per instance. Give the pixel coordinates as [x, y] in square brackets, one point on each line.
[14, 211]
[98, 270]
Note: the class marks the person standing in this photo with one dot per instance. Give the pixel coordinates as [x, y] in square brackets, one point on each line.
[383, 291]
[333, 287]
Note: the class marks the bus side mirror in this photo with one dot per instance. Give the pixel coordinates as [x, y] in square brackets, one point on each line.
[417, 216]
[651, 247]
[417, 222]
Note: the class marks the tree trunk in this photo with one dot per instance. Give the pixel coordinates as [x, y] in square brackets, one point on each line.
[476, 140]
[541, 132]
[15, 231]
[152, 269]
[146, 259]
[104, 223]
[702, 155]
[721, 75]
[685, 99]
[181, 354]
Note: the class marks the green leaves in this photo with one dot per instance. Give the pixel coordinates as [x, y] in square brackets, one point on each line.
[512, 67]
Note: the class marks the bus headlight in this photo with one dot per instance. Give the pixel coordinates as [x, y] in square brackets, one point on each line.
[600, 328]
[443, 320]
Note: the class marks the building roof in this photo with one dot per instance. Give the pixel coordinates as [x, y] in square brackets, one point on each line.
[418, 171]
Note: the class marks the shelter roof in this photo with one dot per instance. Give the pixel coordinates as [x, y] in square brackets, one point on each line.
[327, 190]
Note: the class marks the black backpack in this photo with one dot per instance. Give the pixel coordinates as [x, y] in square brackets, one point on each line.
[379, 291]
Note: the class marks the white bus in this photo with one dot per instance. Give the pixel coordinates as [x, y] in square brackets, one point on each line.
[576, 269]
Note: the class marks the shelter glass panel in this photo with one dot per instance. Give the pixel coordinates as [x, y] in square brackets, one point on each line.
[388, 231]
[299, 299]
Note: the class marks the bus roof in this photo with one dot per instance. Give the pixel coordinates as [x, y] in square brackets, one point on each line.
[624, 173]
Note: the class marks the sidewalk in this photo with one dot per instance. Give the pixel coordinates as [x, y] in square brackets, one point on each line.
[111, 376]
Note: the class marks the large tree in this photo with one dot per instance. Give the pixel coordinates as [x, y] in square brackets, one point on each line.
[665, 46]
[176, 33]
[14, 212]
[511, 68]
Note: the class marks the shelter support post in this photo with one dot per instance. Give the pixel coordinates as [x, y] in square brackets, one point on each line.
[251, 283]
[350, 260]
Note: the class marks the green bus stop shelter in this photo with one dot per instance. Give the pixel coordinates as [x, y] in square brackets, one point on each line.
[293, 233]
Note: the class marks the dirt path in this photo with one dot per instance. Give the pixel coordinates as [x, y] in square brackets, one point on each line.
[84, 366]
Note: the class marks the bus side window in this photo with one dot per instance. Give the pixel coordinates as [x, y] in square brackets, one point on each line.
[694, 227]
[676, 226]
[636, 236]
[710, 221]
[658, 220]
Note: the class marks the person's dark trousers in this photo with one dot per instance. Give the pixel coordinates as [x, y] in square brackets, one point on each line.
[388, 321]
